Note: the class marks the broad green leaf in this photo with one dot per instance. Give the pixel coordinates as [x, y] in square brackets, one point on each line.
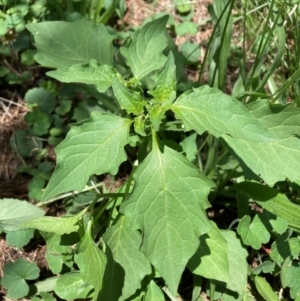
[186, 28]
[253, 233]
[91, 262]
[58, 225]
[264, 289]
[131, 101]
[143, 54]
[71, 286]
[189, 146]
[265, 267]
[23, 143]
[290, 277]
[211, 258]
[46, 285]
[64, 107]
[41, 98]
[14, 212]
[139, 125]
[191, 52]
[94, 146]
[165, 80]
[39, 120]
[57, 252]
[64, 44]
[284, 247]
[273, 222]
[19, 238]
[208, 109]
[282, 121]
[92, 73]
[153, 293]
[126, 265]
[15, 274]
[168, 205]
[273, 201]
[237, 263]
[269, 160]
[157, 113]
[45, 297]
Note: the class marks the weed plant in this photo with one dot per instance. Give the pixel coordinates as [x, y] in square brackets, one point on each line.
[154, 237]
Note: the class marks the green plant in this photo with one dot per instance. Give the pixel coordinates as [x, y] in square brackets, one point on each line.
[134, 244]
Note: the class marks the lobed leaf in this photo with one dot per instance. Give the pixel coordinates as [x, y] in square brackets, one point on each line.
[271, 161]
[64, 44]
[168, 205]
[94, 146]
[211, 258]
[282, 121]
[92, 73]
[253, 233]
[208, 109]
[290, 277]
[126, 265]
[15, 274]
[284, 247]
[143, 54]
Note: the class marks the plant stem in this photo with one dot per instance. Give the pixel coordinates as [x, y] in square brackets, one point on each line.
[73, 193]
[197, 281]
[242, 201]
[59, 9]
[169, 294]
[212, 290]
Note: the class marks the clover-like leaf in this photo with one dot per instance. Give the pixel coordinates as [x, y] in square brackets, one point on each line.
[290, 277]
[15, 274]
[39, 120]
[253, 233]
[168, 205]
[143, 54]
[64, 44]
[91, 262]
[94, 146]
[127, 266]
[284, 247]
[91, 73]
[211, 258]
